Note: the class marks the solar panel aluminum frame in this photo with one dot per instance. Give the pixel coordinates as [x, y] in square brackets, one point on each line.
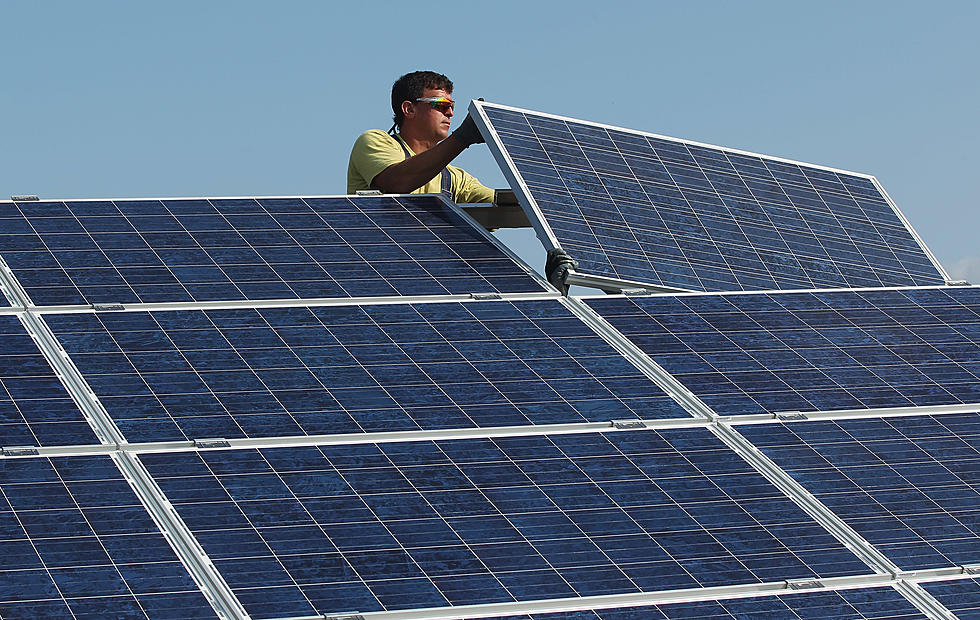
[611, 601]
[375, 437]
[11, 288]
[19, 298]
[550, 240]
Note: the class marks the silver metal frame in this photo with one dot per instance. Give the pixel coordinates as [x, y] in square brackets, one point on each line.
[616, 285]
[796, 290]
[550, 240]
[904, 585]
[527, 202]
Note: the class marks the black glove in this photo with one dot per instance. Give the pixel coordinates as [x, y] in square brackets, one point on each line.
[557, 266]
[504, 198]
[468, 133]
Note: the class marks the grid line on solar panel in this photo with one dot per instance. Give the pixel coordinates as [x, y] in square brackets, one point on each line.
[820, 351]
[616, 199]
[429, 524]
[962, 596]
[908, 485]
[77, 543]
[35, 408]
[857, 604]
[181, 375]
[178, 250]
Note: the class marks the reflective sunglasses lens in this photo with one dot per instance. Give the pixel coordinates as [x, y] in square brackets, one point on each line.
[442, 104]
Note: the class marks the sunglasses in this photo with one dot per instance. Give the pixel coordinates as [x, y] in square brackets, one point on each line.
[443, 104]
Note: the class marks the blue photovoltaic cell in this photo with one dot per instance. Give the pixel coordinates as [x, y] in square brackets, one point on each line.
[860, 604]
[132, 251]
[35, 409]
[765, 353]
[77, 543]
[632, 206]
[299, 371]
[962, 596]
[427, 524]
[907, 485]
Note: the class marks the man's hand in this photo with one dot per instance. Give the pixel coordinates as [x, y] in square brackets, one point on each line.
[557, 266]
[468, 133]
[504, 198]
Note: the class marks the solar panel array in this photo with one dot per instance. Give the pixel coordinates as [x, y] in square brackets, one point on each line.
[464, 522]
[664, 212]
[356, 406]
[836, 350]
[908, 485]
[152, 251]
[166, 376]
[77, 543]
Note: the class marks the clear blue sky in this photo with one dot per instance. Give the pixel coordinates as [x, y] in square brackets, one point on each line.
[128, 99]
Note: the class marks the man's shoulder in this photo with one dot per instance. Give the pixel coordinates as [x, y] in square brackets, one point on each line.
[376, 136]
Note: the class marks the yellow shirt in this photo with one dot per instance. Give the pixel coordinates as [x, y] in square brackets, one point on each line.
[375, 150]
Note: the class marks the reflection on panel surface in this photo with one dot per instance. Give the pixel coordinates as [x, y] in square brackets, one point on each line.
[859, 604]
[35, 408]
[637, 207]
[908, 485]
[422, 524]
[77, 543]
[179, 250]
[822, 351]
[302, 371]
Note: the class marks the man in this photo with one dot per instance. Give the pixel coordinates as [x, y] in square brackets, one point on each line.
[414, 156]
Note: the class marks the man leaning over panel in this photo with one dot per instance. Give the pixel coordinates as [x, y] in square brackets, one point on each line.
[413, 156]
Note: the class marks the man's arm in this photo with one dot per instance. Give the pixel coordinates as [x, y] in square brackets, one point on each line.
[407, 176]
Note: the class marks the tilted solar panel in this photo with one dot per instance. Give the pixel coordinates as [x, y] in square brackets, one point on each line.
[179, 250]
[429, 524]
[908, 485]
[35, 408]
[781, 352]
[268, 372]
[659, 211]
[77, 543]
[857, 604]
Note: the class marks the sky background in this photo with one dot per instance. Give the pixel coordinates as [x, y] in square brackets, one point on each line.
[129, 99]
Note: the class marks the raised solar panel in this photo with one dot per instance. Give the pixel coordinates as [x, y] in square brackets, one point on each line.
[35, 408]
[177, 375]
[961, 596]
[857, 604]
[907, 485]
[327, 529]
[821, 351]
[659, 211]
[77, 543]
[180, 250]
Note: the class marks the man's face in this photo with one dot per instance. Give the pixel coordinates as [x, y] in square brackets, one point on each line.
[430, 120]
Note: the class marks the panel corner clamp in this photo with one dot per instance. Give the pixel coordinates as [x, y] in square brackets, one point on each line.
[211, 443]
[627, 424]
[803, 584]
[19, 451]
